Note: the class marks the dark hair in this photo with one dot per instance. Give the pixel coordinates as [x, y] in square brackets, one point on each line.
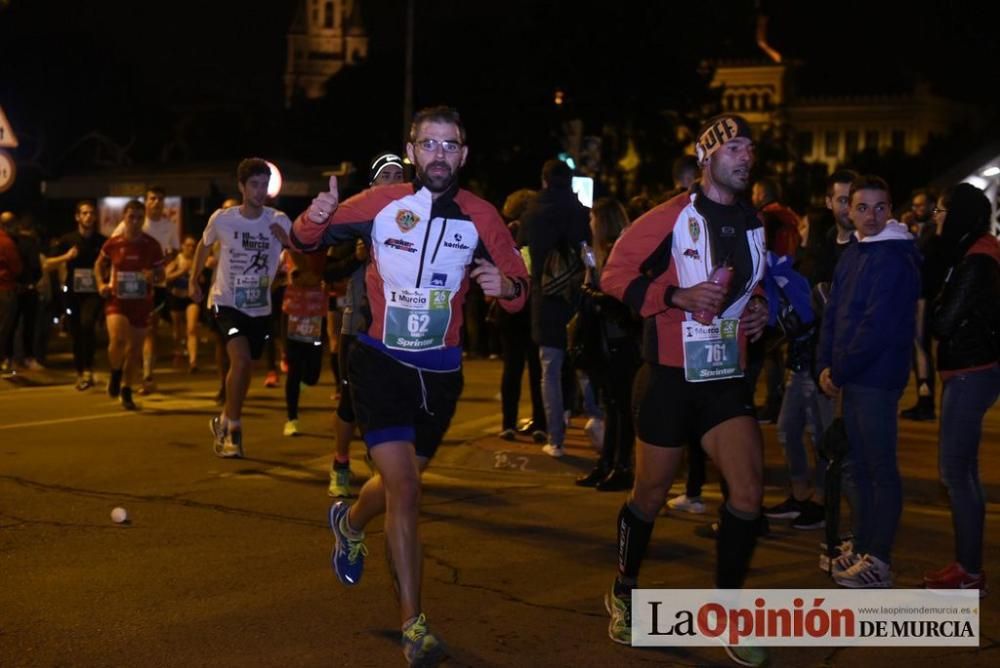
[157, 190]
[870, 182]
[439, 114]
[684, 164]
[557, 175]
[82, 203]
[133, 204]
[968, 215]
[840, 176]
[772, 191]
[517, 202]
[610, 220]
[251, 167]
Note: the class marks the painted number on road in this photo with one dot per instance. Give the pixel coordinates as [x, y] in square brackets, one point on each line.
[504, 460]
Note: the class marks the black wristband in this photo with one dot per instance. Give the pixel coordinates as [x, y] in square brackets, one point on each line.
[517, 289]
[668, 295]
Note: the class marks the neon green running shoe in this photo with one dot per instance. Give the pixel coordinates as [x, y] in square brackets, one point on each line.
[420, 647]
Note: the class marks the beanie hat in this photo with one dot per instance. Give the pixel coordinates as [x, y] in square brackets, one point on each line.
[382, 161]
[717, 131]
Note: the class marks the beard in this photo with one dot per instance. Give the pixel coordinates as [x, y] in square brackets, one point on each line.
[436, 183]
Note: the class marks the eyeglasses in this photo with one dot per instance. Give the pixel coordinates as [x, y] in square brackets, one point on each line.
[936, 210]
[431, 145]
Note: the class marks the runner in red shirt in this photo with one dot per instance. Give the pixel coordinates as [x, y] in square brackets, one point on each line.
[126, 269]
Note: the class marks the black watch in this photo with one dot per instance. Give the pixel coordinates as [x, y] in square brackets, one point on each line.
[517, 289]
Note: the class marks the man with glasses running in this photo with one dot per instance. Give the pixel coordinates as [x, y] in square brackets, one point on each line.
[405, 371]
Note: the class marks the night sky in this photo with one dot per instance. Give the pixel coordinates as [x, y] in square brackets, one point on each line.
[204, 78]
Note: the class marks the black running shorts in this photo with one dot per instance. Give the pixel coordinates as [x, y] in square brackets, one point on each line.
[231, 323]
[671, 412]
[345, 410]
[396, 402]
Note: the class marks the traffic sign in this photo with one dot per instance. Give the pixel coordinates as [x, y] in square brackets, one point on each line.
[7, 171]
[7, 137]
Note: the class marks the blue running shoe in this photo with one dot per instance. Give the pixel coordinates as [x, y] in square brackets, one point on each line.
[348, 556]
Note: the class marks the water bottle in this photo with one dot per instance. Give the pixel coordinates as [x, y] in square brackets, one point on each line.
[721, 275]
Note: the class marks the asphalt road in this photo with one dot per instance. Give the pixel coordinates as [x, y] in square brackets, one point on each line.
[226, 563]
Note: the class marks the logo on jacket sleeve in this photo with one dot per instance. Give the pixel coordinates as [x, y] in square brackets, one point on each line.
[406, 219]
[694, 229]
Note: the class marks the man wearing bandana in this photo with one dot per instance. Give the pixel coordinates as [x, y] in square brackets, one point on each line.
[691, 382]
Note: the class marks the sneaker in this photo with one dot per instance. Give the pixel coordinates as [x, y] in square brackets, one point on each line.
[148, 386]
[693, 505]
[620, 609]
[232, 445]
[953, 576]
[218, 432]
[127, 402]
[553, 450]
[420, 646]
[813, 516]
[271, 380]
[508, 435]
[340, 483]
[594, 429]
[83, 383]
[115, 384]
[788, 509]
[348, 554]
[539, 437]
[845, 558]
[291, 428]
[747, 655]
[868, 572]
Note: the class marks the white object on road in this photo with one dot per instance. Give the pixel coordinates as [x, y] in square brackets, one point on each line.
[119, 515]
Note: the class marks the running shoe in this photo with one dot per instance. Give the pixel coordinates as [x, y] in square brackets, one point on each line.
[953, 576]
[689, 504]
[271, 380]
[868, 572]
[340, 483]
[788, 509]
[349, 554]
[620, 610]
[553, 450]
[291, 428]
[420, 646]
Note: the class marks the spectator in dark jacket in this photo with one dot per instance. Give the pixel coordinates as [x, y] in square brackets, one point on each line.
[555, 222]
[865, 346]
[966, 321]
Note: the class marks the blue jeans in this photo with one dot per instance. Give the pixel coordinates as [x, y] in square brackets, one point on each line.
[874, 486]
[591, 406]
[802, 405]
[552, 394]
[966, 399]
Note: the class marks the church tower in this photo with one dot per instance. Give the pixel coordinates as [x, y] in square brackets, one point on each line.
[325, 36]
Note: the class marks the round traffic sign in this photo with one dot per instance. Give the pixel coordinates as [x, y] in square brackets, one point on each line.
[7, 171]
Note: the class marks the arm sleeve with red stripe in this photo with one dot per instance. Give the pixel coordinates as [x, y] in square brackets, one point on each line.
[500, 246]
[640, 268]
[352, 219]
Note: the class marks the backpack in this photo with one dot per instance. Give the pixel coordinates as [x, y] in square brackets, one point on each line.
[562, 273]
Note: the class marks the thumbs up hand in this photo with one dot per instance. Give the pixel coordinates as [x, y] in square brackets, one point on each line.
[324, 204]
